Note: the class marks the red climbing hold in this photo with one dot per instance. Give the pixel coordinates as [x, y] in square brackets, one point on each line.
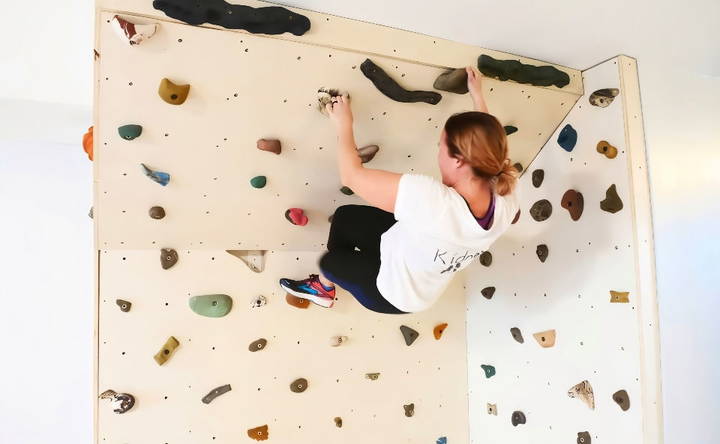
[296, 216]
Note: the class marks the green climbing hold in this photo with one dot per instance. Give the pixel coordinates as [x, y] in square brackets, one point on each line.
[211, 305]
[346, 191]
[130, 132]
[258, 181]
[489, 370]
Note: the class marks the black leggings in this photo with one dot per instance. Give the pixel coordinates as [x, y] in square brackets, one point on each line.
[356, 271]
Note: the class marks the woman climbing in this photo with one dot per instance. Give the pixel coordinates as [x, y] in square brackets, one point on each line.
[399, 254]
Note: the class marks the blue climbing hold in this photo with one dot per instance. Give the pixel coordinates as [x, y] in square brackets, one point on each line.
[567, 138]
[489, 370]
[441, 440]
[157, 176]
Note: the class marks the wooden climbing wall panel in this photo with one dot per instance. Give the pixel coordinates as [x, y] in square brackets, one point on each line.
[613, 345]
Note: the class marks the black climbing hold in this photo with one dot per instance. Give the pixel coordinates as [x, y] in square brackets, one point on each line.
[214, 393]
[522, 73]
[452, 80]
[509, 129]
[518, 417]
[622, 399]
[391, 89]
[542, 252]
[541, 210]
[517, 335]
[124, 305]
[488, 292]
[409, 409]
[567, 138]
[409, 334]
[518, 166]
[346, 191]
[265, 20]
[489, 370]
[603, 97]
[516, 218]
[486, 258]
[537, 177]
[612, 202]
[583, 438]
[168, 257]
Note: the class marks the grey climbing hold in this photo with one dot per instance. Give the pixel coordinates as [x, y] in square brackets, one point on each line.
[409, 334]
[168, 257]
[518, 166]
[489, 370]
[545, 75]
[214, 393]
[518, 417]
[211, 305]
[488, 292]
[409, 409]
[130, 132]
[612, 202]
[584, 392]
[367, 153]
[121, 402]
[372, 376]
[537, 177]
[346, 191]
[541, 210]
[583, 438]
[299, 385]
[254, 259]
[603, 97]
[157, 212]
[90, 213]
[258, 301]
[486, 258]
[567, 138]
[509, 129]
[452, 80]
[622, 399]
[257, 345]
[258, 181]
[542, 252]
[156, 176]
[391, 89]
[124, 305]
[517, 335]
[492, 409]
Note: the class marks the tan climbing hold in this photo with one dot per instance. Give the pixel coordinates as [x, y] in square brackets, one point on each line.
[272, 145]
[492, 409]
[337, 341]
[296, 301]
[172, 93]
[254, 259]
[545, 338]
[259, 433]
[609, 151]
[619, 296]
[166, 351]
[439, 329]
[372, 376]
[299, 385]
[584, 392]
[133, 33]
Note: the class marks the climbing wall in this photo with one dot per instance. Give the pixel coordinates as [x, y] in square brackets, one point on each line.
[593, 292]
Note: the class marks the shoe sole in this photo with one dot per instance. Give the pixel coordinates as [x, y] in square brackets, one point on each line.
[323, 302]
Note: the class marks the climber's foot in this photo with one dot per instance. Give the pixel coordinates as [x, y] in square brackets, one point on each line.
[311, 289]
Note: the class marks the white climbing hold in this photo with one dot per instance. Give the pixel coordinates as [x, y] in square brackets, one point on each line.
[133, 33]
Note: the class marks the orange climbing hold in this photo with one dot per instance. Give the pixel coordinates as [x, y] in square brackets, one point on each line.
[272, 145]
[619, 296]
[296, 216]
[87, 142]
[439, 329]
[259, 433]
[296, 301]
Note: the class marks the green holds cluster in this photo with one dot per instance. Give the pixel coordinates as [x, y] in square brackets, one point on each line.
[211, 305]
[258, 181]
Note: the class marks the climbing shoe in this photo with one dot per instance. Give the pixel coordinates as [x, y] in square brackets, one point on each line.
[311, 289]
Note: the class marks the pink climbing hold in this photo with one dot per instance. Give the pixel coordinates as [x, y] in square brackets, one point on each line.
[296, 216]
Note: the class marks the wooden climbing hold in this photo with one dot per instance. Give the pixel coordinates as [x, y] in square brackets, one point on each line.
[257, 345]
[87, 143]
[619, 296]
[489, 370]
[258, 301]
[124, 305]
[367, 153]
[622, 399]
[157, 212]
[214, 393]
[492, 409]
[296, 216]
[509, 129]
[542, 252]
[567, 138]
[488, 292]
[603, 97]
[573, 202]
[346, 191]
[271, 145]
[541, 210]
[259, 433]
[172, 93]
[133, 33]
[372, 376]
[299, 385]
[258, 181]
[166, 351]
[156, 176]
[168, 258]
[338, 421]
[545, 338]
[439, 329]
[584, 392]
[452, 80]
[486, 258]
[604, 148]
[612, 202]
[409, 334]
[121, 402]
[409, 409]
[517, 71]
[211, 305]
[130, 132]
[517, 417]
[254, 259]
[517, 335]
[538, 176]
[390, 88]
[583, 438]
[516, 218]
[296, 301]
[337, 341]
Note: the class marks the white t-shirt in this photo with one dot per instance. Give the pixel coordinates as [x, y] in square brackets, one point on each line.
[435, 236]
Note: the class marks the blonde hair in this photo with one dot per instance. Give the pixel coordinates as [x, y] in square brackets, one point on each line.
[480, 140]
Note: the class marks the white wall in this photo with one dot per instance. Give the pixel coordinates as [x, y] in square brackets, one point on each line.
[46, 57]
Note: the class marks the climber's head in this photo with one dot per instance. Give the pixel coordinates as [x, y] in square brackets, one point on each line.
[473, 146]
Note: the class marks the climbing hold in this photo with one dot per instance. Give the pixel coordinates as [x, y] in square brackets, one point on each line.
[337, 341]
[409, 334]
[299, 385]
[157, 176]
[545, 338]
[518, 166]
[441, 440]
[488, 292]
[541, 210]
[259, 433]
[296, 216]
[439, 329]
[258, 301]
[87, 143]
[90, 213]
[254, 259]
[168, 257]
[604, 147]
[121, 402]
[489, 370]
[157, 212]
[262, 20]
[537, 177]
[296, 301]
[612, 202]
[338, 421]
[583, 438]
[509, 129]
[133, 33]
[325, 96]
[584, 392]
[522, 73]
[257, 345]
[391, 89]
[486, 258]
[372, 376]
[166, 351]
[573, 202]
[409, 409]
[542, 252]
[517, 417]
[619, 296]
[272, 145]
[346, 191]
[367, 153]
[124, 305]
[622, 399]
[258, 181]
[492, 409]
[567, 138]
[130, 132]
[214, 393]
[452, 80]
[603, 97]
[516, 218]
[211, 305]
[172, 93]
[517, 335]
